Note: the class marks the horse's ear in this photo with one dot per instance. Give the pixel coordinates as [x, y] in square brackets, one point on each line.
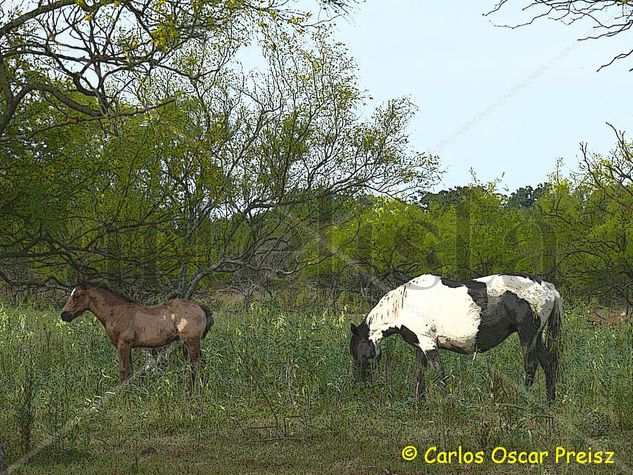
[354, 328]
[80, 283]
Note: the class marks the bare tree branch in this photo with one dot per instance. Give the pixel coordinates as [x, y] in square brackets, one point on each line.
[607, 18]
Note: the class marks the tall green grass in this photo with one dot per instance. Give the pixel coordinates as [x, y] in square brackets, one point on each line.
[277, 396]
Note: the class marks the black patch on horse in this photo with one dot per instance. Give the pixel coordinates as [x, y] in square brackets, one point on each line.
[362, 330]
[504, 315]
[407, 335]
[390, 331]
[478, 291]
[533, 278]
[451, 283]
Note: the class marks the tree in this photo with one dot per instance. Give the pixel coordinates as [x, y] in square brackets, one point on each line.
[526, 196]
[232, 177]
[95, 59]
[608, 17]
[382, 242]
[609, 243]
[590, 218]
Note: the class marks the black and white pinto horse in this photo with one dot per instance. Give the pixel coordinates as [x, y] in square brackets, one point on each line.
[432, 312]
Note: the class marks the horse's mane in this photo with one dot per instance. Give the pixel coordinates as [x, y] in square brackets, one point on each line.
[101, 286]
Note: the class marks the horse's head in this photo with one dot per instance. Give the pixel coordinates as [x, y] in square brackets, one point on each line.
[362, 350]
[78, 303]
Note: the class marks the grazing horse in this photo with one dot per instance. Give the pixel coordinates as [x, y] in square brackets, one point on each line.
[132, 325]
[432, 312]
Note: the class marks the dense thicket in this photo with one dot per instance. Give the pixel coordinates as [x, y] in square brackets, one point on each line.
[165, 216]
[202, 173]
[224, 181]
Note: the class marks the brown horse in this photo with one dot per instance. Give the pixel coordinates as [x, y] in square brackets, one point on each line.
[132, 325]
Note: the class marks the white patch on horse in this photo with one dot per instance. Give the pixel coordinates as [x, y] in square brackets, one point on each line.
[438, 314]
[72, 294]
[182, 324]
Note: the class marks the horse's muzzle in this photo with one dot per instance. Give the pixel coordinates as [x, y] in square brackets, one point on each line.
[67, 316]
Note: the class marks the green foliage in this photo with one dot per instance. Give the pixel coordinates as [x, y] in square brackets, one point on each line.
[244, 178]
[217, 182]
[588, 224]
[129, 46]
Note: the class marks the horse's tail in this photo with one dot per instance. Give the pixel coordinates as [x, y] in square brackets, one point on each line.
[554, 343]
[208, 314]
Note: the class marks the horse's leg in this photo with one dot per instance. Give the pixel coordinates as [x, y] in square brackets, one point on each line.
[422, 363]
[128, 367]
[550, 378]
[193, 355]
[434, 358]
[125, 360]
[529, 355]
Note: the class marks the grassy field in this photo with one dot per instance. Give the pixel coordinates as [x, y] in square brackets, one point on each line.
[278, 397]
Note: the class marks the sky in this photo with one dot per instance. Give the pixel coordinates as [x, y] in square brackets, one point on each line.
[505, 102]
